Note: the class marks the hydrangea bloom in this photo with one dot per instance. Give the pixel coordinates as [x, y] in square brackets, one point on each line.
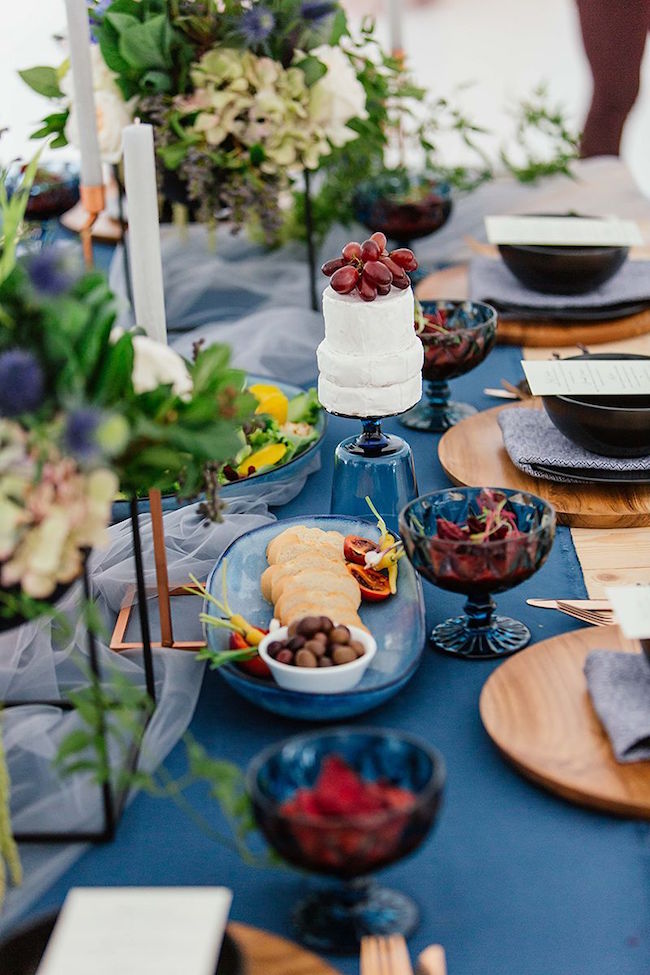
[50, 512]
[240, 98]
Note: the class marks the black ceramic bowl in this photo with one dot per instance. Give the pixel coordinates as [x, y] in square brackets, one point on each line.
[562, 270]
[613, 426]
[21, 952]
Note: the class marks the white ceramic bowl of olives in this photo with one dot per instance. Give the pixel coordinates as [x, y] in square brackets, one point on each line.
[315, 656]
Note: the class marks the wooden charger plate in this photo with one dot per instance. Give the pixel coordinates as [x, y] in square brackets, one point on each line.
[472, 454]
[268, 954]
[452, 283]
[536, 709]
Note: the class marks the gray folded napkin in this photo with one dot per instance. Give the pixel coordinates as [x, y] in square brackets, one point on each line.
[619, 686]
[532, 441]
[491, 281]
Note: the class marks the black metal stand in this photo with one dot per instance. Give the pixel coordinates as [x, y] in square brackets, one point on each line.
[311, 247]
[113, 800]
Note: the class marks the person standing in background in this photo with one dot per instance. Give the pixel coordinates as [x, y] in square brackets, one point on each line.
[614, 34]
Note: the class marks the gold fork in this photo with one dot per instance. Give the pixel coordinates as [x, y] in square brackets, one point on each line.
[385, 955]
[596, 617]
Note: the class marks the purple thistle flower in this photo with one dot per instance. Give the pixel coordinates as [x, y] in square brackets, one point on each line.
[96, 11]
[80, 434]
[256, 24]
[50, 273]
[21, 382]
[317, 9]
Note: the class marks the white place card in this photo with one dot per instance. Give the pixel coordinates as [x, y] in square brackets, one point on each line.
[631, 605]
[563, 231]
[588, 377]
[138, 931]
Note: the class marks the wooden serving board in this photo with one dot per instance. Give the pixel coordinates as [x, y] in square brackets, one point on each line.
[452, 283]
[472, 454]
[268, 954]
[536, 709]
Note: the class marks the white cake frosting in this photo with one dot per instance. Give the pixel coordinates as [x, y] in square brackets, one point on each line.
[370, 361]
[367, 401]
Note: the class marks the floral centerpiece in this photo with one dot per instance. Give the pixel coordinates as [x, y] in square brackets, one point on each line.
[246, 96]
[86, 411]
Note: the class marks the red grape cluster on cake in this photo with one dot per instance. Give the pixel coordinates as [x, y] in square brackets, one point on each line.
[370, 361]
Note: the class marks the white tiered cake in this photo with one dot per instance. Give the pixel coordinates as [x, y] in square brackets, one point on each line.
[370, 361]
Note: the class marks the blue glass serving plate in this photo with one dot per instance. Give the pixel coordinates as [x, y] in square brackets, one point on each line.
[397, 624]
[247, 486]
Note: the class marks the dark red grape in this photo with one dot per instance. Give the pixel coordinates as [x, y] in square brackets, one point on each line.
[395, 270]
[377, 273]
[352, 251]
[379, 239]
[405, 258]
[345, 279]
[370, 250]
[400, 283]
[367, 289]
[329, 267]
[383, 289]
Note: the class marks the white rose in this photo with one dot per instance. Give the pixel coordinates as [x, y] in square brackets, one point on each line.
[338, 97]
[112, 112]
[155, 364]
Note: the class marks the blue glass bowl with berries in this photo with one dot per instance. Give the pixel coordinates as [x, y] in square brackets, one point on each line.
[478, 541]
[457, 336]
[345, 802]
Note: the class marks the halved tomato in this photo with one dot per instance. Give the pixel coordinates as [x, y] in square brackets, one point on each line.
[374, 585]
[255, 666]
[355, 548]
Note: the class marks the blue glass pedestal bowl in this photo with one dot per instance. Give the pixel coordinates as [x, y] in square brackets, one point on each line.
[461, 344]
[477, 569]
[374, 465]
[349, 847]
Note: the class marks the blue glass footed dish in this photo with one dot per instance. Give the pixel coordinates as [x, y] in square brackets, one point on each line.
[375, 465]
[398, 625]
[348, 846]
[479, 563]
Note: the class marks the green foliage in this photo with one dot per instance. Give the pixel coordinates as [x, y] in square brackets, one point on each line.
[44, 80]
[116, 712]
[536, 116]
[12, 214]
[170, 437]
[138, 42]
[9, 856]
[16, 605]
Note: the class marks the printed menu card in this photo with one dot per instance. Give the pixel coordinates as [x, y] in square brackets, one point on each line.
[563, 231]
[588, 377]
[138, 931]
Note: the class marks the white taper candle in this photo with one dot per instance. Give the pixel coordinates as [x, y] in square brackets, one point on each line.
[395, 23]
[84, 99]
[144, 232]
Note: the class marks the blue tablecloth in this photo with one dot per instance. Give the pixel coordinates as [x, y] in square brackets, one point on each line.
[512, 882]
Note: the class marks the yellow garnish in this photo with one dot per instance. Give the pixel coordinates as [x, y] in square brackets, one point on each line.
[260, 391]
[275, 405]
[266, 457]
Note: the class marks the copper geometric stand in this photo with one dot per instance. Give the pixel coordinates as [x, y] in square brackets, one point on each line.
[162, 591]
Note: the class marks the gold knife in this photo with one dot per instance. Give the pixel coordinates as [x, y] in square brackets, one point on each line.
[597, 605]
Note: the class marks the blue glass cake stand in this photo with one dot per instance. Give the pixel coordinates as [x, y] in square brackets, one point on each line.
[373, 465]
